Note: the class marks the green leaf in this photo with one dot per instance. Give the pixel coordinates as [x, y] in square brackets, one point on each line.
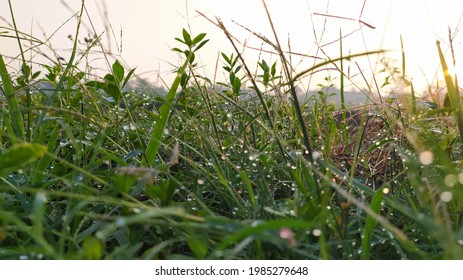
[19, 155]
[266, 77]
[35, 75]
[199, 38]
[177, 49]
[180, 40]
[263, 65]
[118, 71]
[274, 69]
[128, 77]
[112, 87]
[201, 45]
[228, 60]
[236, 85]
[187, 38]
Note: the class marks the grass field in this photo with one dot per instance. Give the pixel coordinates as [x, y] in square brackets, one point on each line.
[90, 169]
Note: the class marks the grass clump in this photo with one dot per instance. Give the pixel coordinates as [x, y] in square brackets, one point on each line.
[236, 170]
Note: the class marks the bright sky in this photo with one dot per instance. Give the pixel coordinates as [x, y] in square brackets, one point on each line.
[148, 28]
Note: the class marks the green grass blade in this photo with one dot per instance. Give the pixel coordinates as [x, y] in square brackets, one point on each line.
[452, 93]
[261, 230]
[370, 225]
[16, 116]
[248, 184]
[164, 113]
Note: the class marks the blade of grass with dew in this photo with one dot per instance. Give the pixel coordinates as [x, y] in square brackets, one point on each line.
[248, 184]
[164, 113]
[452, 93]
[260, 228]
[15, 112]
[370, 223]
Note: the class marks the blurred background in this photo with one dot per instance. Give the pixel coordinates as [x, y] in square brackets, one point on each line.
[141, 34]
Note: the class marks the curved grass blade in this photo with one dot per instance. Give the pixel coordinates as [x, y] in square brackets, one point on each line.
[370, 225]
[164, 113]
[453, 95]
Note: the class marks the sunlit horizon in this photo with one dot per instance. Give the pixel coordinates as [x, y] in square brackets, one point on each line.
[141, 33]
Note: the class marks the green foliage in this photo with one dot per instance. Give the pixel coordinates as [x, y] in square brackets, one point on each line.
[228, 172]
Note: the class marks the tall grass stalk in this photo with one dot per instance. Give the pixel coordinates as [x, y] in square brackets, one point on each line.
[67, 71]
[25, 72]
[341, 89]
[13, 106]
[164, 113]
[453, 94]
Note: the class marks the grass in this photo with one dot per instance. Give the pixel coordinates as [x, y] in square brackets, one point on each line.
[92, 170]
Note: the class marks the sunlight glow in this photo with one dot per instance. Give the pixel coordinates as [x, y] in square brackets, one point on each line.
[143, 34]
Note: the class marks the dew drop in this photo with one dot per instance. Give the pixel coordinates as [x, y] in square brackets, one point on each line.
[63, 142]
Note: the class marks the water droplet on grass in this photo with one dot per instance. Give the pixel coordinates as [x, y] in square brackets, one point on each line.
[253, 157]
[63, 142]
